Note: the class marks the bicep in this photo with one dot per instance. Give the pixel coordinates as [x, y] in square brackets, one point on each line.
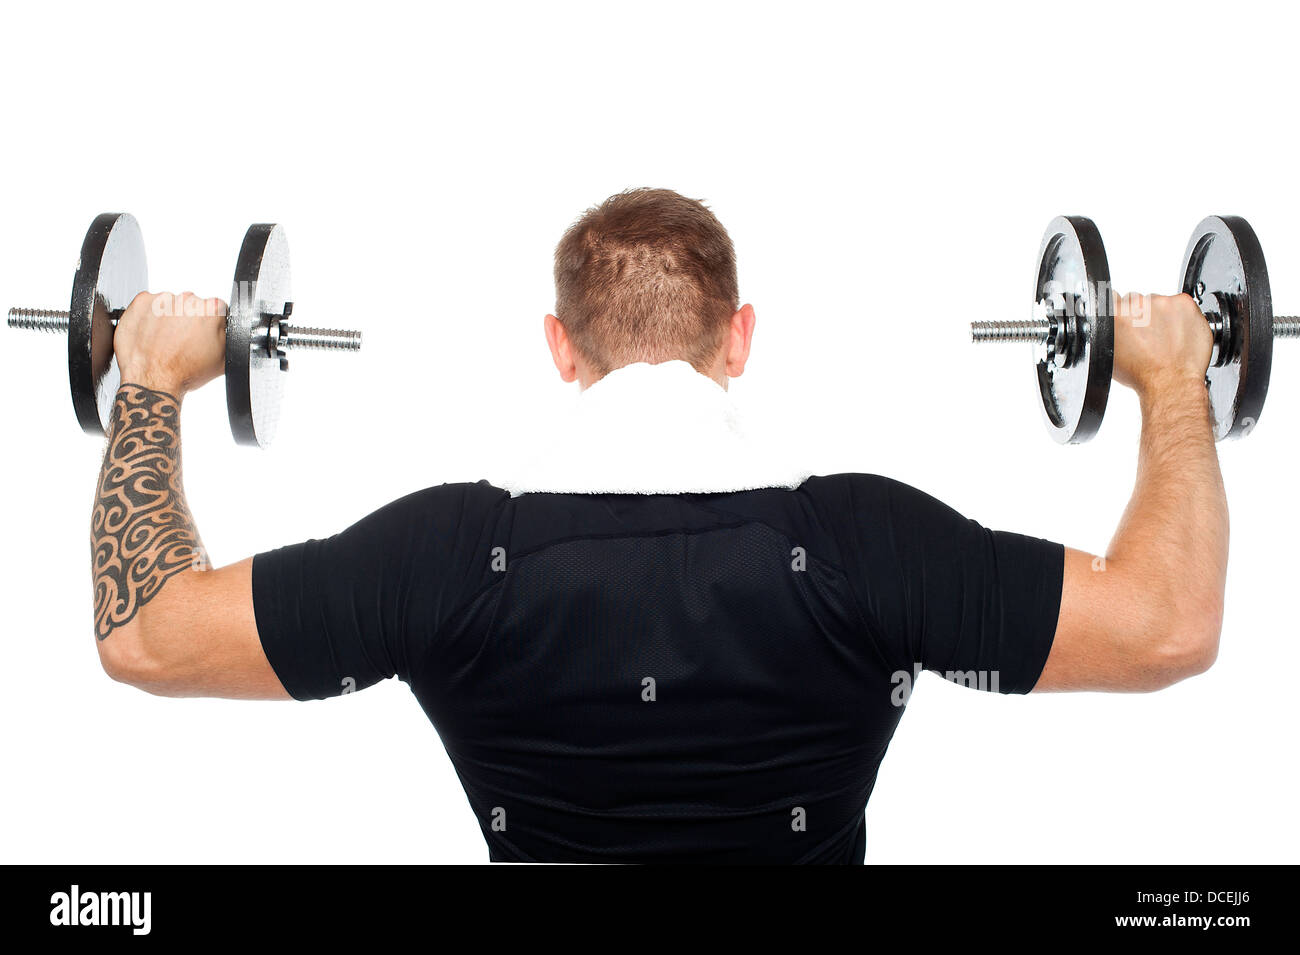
[200, 638]
[1097, 644]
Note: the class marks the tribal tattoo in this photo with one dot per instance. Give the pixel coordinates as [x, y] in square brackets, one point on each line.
[141, 531]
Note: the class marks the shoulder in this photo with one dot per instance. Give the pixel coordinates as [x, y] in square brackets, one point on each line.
[478, 497]
[863, 490]
[434, 513]
[871, 502]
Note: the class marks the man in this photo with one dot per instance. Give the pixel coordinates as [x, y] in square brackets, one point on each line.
[661, 644]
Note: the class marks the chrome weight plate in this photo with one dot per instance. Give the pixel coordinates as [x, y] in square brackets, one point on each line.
[110, 272]
[260, 299]
[1224, 270]
[1073, 285]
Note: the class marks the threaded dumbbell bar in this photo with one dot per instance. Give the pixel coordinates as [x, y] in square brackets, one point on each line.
[39, 319]
[319, 339]
[1286, 326]
[1036, 332]
[290, 336]
[1031, 332]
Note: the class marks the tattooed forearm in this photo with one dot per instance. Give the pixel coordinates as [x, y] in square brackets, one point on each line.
[141, 531]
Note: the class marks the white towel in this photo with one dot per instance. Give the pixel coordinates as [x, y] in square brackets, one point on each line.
[655, 429]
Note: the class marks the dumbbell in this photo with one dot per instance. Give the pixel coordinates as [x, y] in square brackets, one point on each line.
[1073, 329]
[1224, 271]
[1072, 326]
[112, 270]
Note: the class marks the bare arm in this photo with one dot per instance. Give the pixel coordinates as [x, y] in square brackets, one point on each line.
[1149, 613]
[163, 621]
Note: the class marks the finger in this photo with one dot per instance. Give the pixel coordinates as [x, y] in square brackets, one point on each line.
[142, 304]
[163, 304]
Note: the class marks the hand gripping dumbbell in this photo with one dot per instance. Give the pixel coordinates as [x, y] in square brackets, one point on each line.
[1224, 271]
[1073, 329]
[112, 271]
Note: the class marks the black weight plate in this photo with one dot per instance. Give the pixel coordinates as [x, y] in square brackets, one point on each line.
[1073, 273]
[254, 381]
[110, 272]
[1226, 256]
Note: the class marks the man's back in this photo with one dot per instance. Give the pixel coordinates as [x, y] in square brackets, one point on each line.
[666, 641]
[691, 677]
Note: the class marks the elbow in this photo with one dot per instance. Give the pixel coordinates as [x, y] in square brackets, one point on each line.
[126, 657]
[1187, 646]
[123, 656]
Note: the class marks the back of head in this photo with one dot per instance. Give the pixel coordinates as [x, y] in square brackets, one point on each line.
[648, 275]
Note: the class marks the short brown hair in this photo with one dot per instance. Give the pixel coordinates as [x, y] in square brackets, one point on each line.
[647, 275]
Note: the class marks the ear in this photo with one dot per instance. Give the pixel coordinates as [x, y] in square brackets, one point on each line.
[739, 337]
[561, 350]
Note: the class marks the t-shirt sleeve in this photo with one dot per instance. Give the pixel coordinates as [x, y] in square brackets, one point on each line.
[344, 612]
[942, 592]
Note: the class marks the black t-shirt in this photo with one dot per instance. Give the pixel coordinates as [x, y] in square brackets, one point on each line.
[663, 678]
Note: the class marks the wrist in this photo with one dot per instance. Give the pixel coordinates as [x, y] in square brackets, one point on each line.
[1174, 390]
[1176, 383]
[153, 381]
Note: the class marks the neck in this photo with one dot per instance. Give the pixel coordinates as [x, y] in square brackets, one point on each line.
[717, 372]
[654, 429]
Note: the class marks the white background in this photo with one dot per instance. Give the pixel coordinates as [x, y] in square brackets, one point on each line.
[886, 176]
